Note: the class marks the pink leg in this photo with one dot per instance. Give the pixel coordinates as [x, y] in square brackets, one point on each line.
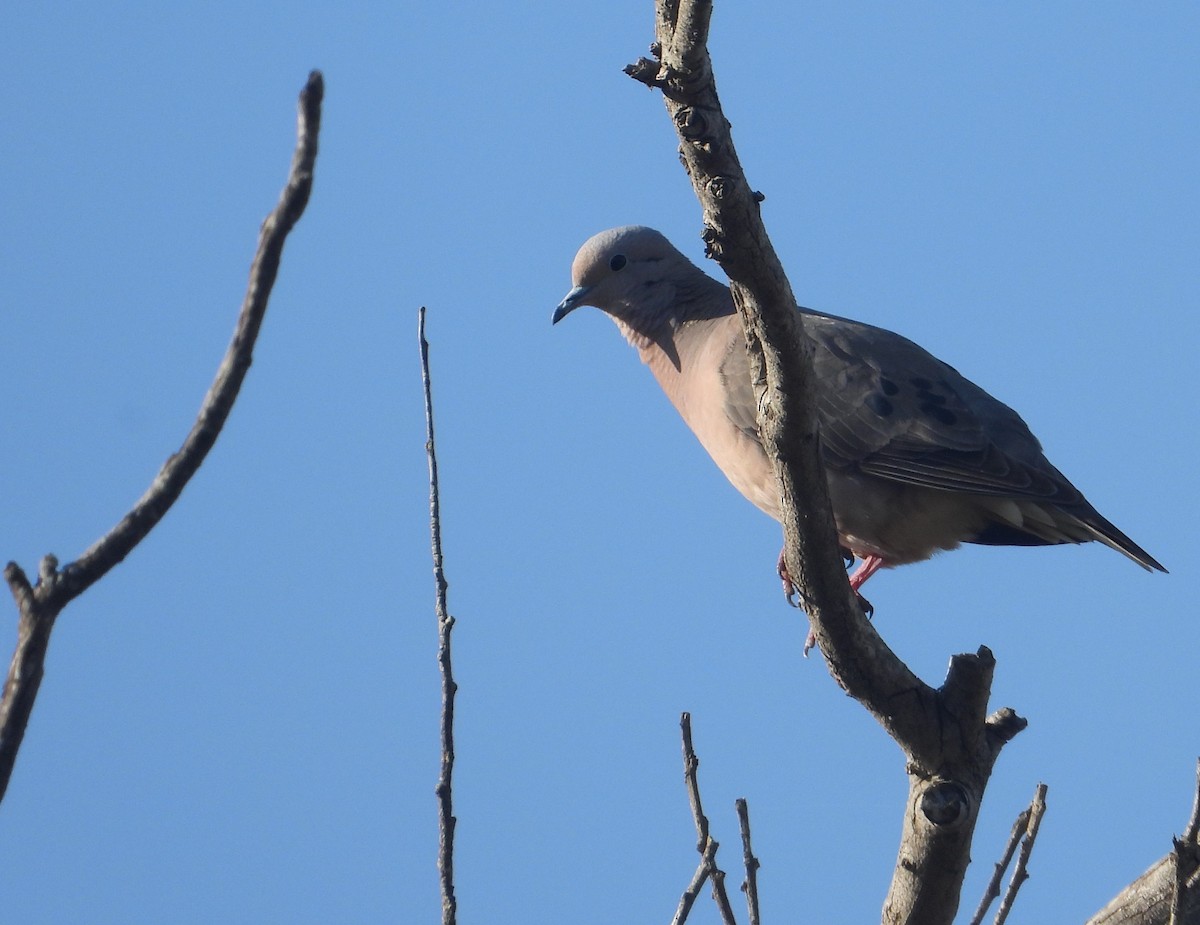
[866, 568]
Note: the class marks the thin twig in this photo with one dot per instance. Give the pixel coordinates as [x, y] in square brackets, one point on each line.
[180, 467]
[1191, 834]
[750, 884]
[705, 843]
[691, 765]
[41, 604]
[993, 888]
[1185, 855]
[688, 899]
[717, 876]
[1020, 874]
[444, 790]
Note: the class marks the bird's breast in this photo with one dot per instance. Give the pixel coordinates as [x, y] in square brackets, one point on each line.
[695, 388]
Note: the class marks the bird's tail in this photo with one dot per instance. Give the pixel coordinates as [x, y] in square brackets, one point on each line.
[1108, 533]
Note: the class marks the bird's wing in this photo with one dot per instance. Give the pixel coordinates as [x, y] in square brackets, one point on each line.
[889, 408]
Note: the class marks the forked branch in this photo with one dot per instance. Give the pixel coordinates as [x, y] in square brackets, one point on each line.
[40, 604]
[705, 843]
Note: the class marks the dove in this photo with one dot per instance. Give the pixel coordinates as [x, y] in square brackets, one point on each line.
[918, 458]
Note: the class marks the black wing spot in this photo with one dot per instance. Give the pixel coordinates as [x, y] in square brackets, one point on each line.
[889, 387]
[931, 398]
[921, 382]
[880, 405]
[938, 413]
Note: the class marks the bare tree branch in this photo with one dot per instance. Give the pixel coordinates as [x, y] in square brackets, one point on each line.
[734, 235]
[1192, 832]
[705, 843]
[1037, 809]
[1185, 896]
[750, 884]
[992, 891]
[40, 605]
[688, 899]
[444, 790]
[950, 741]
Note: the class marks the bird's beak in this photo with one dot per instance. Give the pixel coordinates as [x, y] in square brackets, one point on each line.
[573, 300]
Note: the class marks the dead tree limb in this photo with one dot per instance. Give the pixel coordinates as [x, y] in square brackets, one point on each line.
[947, 735]
[445, 622]
[40, 604]
[992, 892]
[705, 843]
[750, 862]
[688, 899]
[1037, 809]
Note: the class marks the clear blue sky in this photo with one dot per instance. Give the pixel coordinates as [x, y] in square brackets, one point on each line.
[240, 723]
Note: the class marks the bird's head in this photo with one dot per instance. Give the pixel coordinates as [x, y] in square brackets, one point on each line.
[630, 273]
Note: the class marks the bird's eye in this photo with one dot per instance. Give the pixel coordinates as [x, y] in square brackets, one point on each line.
[617, 262]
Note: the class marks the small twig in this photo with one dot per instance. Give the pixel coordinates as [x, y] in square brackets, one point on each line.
[1191, 834]
[444, 790]
[1185, 855]
[177, 470]
[1020, 874]
[750, 884]
[993, 888]
[688, 899]
[691, 764]
[705, 843]
[717, 876]
[41, 604]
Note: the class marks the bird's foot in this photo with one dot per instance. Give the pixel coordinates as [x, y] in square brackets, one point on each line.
[868, 608]
[869, 566]
[789, 589]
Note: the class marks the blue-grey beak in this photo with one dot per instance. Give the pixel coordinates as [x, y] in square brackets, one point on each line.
[573, 300]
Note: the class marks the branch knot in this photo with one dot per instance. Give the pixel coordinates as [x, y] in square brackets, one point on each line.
[946, 803]
[691, 123]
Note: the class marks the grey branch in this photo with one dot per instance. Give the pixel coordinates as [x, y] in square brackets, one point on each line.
[1037, 809]
[688, 899]
[950, 740]
[750, 884]
[992, 892]
[445, 622]
[705, 843]
[39, 605]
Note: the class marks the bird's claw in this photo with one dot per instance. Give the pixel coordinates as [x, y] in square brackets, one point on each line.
[867, 607]
[789, 589]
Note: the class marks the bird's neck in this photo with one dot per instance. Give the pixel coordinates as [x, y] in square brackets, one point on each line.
[673, 353]
[694, 301]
